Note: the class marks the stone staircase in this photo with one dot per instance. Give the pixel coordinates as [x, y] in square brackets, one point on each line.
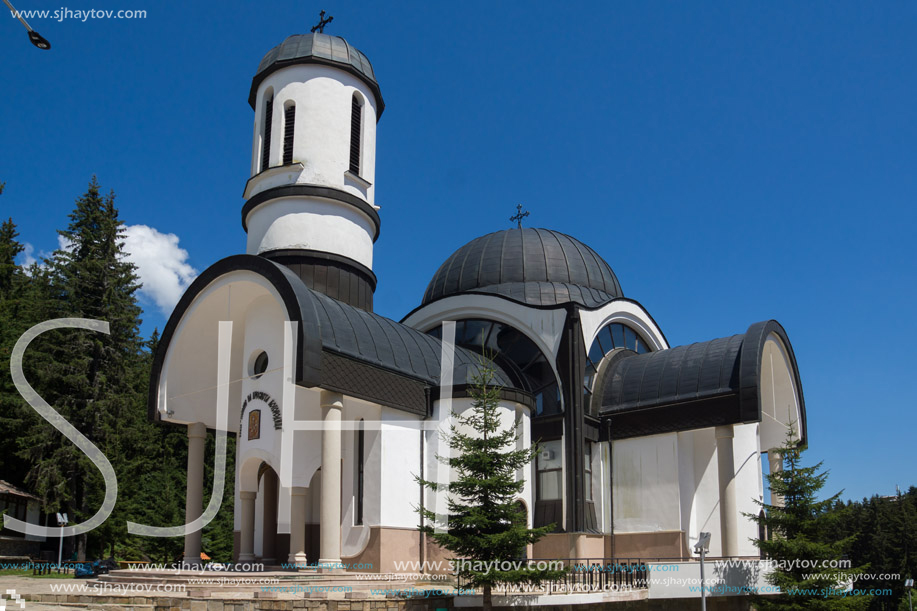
[165, 590]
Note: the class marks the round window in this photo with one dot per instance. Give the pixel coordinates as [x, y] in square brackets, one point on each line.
[259, 364]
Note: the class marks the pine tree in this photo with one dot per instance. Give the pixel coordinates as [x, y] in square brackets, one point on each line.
[485, 524]
[804, 554]
[90, 378]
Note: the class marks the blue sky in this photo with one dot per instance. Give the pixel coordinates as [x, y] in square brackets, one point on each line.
[733, 162]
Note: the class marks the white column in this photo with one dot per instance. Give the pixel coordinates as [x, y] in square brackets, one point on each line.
[194, 494]
[330, 538]
[729, 517]
[247, 512]
[297, 525]
[775, 461]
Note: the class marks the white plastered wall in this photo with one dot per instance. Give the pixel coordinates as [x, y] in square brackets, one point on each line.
[321, 140]
[434, 444]
[321, 156]
[700, 487]
[355, 537]
[646, 485]
[780, 406]
[626, 312]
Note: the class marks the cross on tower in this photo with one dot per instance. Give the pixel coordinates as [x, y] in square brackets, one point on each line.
[519, 215]
[322, 22]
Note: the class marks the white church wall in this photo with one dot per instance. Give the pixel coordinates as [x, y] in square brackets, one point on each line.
[321, 140]
[687, 485]
[779, 397]
[748, 484]
[705, 510]
[322, 96]
[354, 537]
[526, 474]
[434, 445]
[259, 519]
[646, 493]
[700, 490]
[625, 312]
[187, 390]
[400, 441]
[603, 511]
[311, 223]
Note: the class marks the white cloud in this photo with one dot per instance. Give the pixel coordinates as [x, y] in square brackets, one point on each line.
[27, 255]
[64, 244]
[161, 264]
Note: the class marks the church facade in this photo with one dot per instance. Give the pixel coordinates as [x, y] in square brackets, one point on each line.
[336, 409]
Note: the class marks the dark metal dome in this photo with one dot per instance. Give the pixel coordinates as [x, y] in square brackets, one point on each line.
[317, 48]
[532, 266]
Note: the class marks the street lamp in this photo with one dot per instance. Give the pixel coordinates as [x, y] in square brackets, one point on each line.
[909, 585]
[37, 39]
[62, 520]
[702, 547]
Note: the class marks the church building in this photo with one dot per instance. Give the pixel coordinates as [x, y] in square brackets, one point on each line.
[336, 409]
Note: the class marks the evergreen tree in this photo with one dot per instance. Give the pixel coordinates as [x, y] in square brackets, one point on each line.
[90, 378]
[9, 250]
[485, 524]
[801, 547]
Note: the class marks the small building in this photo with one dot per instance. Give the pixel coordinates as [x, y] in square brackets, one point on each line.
[23, 506]
[337, 408]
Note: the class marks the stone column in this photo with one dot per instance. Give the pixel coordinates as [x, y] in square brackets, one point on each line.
[269, 530]
[298, 525]
[330, 537]
[729, 517]
[775, 461]
[247, 512]
[194, 494]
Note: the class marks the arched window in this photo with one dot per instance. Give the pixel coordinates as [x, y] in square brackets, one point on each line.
[356, 130]
[289, 125]
[516, 354]
[266, 132]
[611, 337]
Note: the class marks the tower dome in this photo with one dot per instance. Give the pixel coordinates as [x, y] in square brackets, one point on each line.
[310, 198]
[317, 48]
[533, 266]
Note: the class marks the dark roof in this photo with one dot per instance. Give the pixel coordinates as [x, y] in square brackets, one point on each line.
[317, 48]
[377, 340]
[696, 386]
[8, 488]
[344, 348]
[533, 266]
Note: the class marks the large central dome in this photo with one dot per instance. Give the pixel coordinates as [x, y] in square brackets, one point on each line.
[532, 266]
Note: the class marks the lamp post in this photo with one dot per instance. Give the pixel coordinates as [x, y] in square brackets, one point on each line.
[34, 37]
[702, 547]
[909, 585]
[62, 520]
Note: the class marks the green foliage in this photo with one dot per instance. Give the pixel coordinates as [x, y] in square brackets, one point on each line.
[485, 522]
[885, 531]
[801, 545]
[99, 383]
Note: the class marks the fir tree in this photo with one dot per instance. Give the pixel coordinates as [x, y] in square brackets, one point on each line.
[9, 250]
[90, 378]
[804, 555]
[485, 524]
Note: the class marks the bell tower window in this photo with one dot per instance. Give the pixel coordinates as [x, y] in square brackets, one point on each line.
[356, 127]
[266, 140]
[289, 124]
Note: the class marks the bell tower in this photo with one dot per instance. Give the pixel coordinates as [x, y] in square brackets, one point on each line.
[309, 203]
